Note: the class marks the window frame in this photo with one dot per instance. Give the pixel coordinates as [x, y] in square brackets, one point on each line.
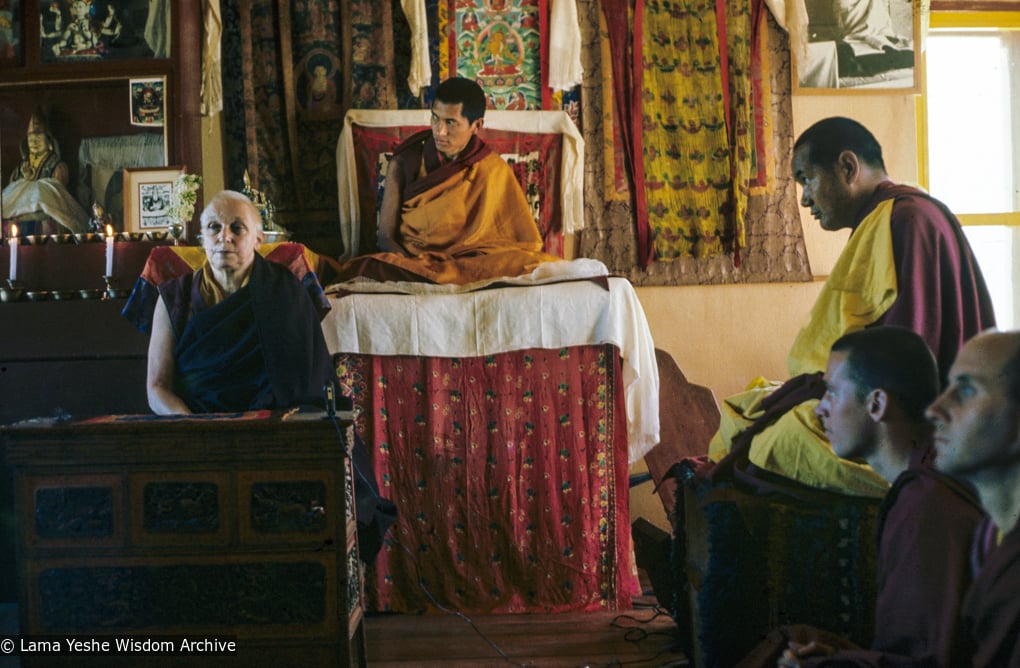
[1002, 20]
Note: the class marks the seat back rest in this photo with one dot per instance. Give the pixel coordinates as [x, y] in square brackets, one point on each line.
[688, 418]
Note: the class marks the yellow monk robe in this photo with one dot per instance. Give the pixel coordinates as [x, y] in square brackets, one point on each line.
[461, 221]
[474, 225]
[860, 289]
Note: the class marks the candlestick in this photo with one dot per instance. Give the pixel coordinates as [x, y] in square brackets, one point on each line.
[13, 243]
[109, 250]
[111, 287]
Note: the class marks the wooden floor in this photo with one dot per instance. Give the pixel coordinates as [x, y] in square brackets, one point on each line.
[640, 638]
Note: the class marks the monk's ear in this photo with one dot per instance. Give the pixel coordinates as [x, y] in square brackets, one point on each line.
[878, 404]
[848, 166]
[477, 125]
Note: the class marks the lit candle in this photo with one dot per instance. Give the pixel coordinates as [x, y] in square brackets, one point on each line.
[13, 243]
[109, 250]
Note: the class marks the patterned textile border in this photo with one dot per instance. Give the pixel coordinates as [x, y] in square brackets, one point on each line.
[509, 473]
[203, 417]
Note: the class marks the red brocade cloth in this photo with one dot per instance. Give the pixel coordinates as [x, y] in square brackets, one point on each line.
[505, 502]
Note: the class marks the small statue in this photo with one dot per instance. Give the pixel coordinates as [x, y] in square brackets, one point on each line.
[100, 219]
[79, 37]
[263, 204]
[38, 187]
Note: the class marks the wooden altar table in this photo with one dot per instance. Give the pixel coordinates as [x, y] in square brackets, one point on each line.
[234, 527]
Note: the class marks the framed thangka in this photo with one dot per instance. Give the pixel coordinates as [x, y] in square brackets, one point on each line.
[95, 30]
[498, 44]
[10, 30]
[147, 99]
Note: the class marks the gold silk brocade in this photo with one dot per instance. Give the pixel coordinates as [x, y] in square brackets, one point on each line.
[696, 178]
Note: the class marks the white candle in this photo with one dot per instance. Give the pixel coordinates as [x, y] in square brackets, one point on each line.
[13, 243]
[109, 250]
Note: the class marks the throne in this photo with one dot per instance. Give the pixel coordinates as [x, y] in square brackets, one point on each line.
[501, 418]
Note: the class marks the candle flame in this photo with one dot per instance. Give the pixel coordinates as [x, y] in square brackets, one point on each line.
[109, 230]
[14, 230]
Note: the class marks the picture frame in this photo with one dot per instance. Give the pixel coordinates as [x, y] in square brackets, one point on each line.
[10, 31]
[147, 196]
[844, 52]
[147, 99]
[103, 30]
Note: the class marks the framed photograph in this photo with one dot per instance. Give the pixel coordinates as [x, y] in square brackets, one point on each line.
[866, 46]
[147, 194]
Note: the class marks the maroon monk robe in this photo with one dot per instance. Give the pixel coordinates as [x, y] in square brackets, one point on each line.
[421, 147]
[926, 530]
[991, 610]
[926, 525]
[941, 293]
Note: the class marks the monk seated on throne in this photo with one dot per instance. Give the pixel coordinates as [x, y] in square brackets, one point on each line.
[452, 209]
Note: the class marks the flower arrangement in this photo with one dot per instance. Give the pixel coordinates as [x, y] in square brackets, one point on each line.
[185, 196]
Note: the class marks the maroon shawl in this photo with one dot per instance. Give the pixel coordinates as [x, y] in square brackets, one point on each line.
[422, 146]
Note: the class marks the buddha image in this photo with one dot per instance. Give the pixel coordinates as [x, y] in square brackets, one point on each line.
[318, 87]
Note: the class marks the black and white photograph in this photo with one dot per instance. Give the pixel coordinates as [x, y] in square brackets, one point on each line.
[867, 45]
[148, 193]
[155, 201]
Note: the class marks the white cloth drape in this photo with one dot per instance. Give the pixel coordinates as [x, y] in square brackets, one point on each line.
[565, 70]
[27, 199]
[157, 28]
[421, 70]
[554, 310]
[212, 76]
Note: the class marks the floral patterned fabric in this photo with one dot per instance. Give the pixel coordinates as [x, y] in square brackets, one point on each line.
[509, 473]
[774, 249]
